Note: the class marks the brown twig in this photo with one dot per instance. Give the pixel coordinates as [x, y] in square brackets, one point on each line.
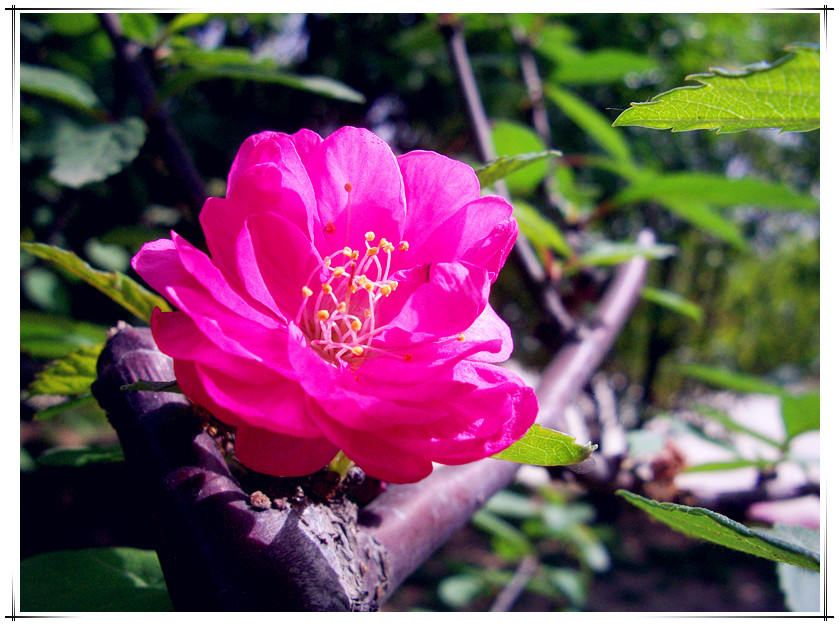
[508, 596]
[173, 150]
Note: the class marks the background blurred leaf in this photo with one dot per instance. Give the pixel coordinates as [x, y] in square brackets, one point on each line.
[734, 381]
[674, 302]
[79, 457]
[141, 27]
[706, 218]
[61, 87]
[704, 524]
[95, 579]
[801, 413]
[511, 138]
[118, 287]
[613, 253]
[604, 65]
[50, 336]
[88, 154]
[543, 446]
[540, 230]
[782, 95]
[506, 165]
[69, 375]
[734, 426]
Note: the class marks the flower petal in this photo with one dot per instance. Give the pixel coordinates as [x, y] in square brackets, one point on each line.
[268, 452]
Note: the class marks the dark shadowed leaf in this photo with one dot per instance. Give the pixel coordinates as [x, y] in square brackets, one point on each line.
[79, 457]
[60, 86]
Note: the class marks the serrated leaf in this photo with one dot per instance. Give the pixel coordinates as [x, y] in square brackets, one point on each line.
[543, 446]
[716, 190]
[59, 86]
[69, 375]
[592, 121]
[704, 524]
[801, 413]
[605, 65]
[784, 95]
[612, 253]
[80, 457]
[674, 302]
[95, 579]
[540, 230]
[168, 386]
[50, 336]
[88, 154]
[118, 287]
[506, 165]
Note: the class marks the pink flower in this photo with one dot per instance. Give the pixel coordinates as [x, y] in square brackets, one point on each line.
[344, 307]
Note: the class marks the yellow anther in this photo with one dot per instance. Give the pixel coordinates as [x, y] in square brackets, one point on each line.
[369, 236]
[327, 261]
[383, 242]
[372, 251]
[347, 251]
[339, 271]
[354, 254]
[392, 284]
[329, 228]
[347, 187]
[368, 286]
[355, 325]
[323, 315]
[403, 245]
[307, 292]
[327, 289]
[388, 247]
[358, 350]
[342, 307]
[385, 290]
[461, 337]
[367, 313]
[353, 288]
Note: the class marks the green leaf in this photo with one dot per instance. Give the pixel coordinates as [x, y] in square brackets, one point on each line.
[592, 121]
[710, 526]
[168, 386]
[69, 375]
[674, 302]
[727, 379]
[783, 95]
[706, 218]
[723, 466]
[88, 154]
[734, 426]
[500, 529]
[73, 24]
[459, 590]
[320, 85]
[118, 287]
[95, 579]
[716, 190]
[540, 230]
[60, 86]
[512, 138]
[801, 587]
[543, 446]
[506, 165]
[86, 402]
[79, 457]
[612, 253]
[606, 65]
[141, 27]
[185, 21]
[50, 336]
[801, 413]
[510, 504]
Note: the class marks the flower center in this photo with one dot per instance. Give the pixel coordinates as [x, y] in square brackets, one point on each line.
[341, 324]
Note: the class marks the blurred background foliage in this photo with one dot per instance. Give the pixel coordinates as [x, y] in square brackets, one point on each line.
[740, 292]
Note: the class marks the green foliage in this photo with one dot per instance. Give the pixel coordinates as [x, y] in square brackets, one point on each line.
[607, 253]
[65, 88]
[512, 138]
[95, 579]
[733, 381]
[605, 65]
[116, 286]
[506, 165]
[543, 446]
[80, 457]
[782, 95]
[704, 524]
[674, 302]
[539, 230]
[801, 413]
[71, 374]
[51, 336]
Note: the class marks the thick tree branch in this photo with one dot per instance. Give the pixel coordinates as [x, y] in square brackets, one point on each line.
[173, 150]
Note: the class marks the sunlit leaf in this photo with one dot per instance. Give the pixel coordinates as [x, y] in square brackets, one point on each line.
[540, 230]
[185, 21]
[60, 86]
[80, 457]
[592, 121]
[95, 579]
[118, 287]
[674, 302]
[141, 27]
[801, 413]
[543, 446]
[716, 190]
[784, 95]
[50, 336]
[512, 138]
[506, 165]
[69, 375]
[83, 154]
[710, 526]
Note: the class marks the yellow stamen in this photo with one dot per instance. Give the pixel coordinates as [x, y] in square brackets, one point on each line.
[347, 251]
[339, 271]
[358, 350]
[372, 251]
[327, 289]
[461, 337]
[307, 292]
[385, 290]
[323, 315]
[342, 307]
[403, 245]
[355, 325]
[369, 236]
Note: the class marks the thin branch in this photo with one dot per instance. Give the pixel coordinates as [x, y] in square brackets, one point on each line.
[453, 33]
[508, 596]
[174, 152]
